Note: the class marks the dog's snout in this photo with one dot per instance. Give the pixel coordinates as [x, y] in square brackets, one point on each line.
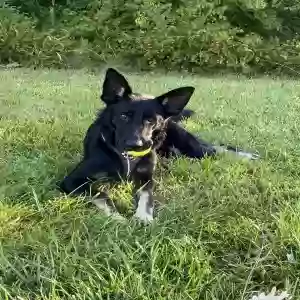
[134, 143]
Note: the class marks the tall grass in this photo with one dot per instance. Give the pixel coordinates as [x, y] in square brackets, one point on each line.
[224, 228]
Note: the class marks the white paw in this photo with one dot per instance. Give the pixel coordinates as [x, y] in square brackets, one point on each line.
[272, 296]
[144, 216]
[102, 205]
[143, 212]
[109, 211]
[251, 156]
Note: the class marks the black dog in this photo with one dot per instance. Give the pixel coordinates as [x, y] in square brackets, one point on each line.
[125, 138]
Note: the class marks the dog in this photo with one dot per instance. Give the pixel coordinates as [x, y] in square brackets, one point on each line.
[127, 136]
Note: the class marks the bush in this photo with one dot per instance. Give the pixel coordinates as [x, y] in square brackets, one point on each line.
[16, 35]
[209, 35]
[20, 42]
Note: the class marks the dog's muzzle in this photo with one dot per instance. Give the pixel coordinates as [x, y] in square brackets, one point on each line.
[138, 153]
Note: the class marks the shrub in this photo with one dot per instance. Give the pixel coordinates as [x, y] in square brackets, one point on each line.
[211, 35]
[21, 42]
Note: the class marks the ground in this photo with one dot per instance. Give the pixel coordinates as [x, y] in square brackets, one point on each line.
[225, 227]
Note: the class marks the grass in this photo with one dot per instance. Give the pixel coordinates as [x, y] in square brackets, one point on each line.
[225, 229]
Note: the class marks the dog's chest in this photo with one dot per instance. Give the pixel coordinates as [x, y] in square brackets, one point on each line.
[122, 169]
[129, 164]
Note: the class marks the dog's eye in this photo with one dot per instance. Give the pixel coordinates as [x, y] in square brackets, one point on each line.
[124, 117]
[150, 120]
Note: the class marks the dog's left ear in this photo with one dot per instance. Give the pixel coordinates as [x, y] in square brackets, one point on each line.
[115, 87]
[174, 101]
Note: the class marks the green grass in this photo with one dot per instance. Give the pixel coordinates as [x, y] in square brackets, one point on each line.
[225, 226]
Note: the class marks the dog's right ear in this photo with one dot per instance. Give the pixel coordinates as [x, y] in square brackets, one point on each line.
[174, 101]
[115, 87]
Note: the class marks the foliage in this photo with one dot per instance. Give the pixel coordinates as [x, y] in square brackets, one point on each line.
[247, 36]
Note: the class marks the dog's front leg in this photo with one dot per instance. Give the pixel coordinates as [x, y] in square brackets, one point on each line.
[143, 192]
[79, 182]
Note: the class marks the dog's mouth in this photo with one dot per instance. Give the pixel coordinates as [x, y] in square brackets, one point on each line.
[139, 151]
[145, 145]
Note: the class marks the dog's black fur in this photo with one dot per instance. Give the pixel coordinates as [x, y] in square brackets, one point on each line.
[133, 122]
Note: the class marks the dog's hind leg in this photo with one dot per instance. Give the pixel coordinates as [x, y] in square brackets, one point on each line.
[180, 141]
[236, 151]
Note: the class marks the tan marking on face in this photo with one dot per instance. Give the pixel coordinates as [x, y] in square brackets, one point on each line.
[147, 131]
[160, 123]
[137, 97]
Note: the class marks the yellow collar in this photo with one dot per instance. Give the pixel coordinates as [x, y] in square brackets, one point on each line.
[139, 153]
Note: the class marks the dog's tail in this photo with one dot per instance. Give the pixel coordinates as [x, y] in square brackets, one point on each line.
[239, 152]
[185, 114]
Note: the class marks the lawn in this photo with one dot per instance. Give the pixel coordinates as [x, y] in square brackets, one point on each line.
[225, 228]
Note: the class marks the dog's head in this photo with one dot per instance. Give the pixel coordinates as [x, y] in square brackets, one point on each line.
[136, 120]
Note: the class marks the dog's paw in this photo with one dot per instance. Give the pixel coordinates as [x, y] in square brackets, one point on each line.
[144, 211]
[144, 217]
[103, 205]
[272, 296]
[255, 156]
[248, 155]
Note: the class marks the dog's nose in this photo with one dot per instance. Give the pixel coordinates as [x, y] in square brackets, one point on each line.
[134, 143]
